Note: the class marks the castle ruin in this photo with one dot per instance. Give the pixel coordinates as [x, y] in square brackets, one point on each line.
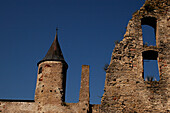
[125, 89]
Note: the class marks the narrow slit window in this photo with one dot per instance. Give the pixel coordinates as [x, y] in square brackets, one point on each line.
[40, 70]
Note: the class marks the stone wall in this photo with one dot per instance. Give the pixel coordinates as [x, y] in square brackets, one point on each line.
[84, 89]
[125, 88]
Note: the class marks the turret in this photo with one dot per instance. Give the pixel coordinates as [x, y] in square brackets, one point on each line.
[51, 79]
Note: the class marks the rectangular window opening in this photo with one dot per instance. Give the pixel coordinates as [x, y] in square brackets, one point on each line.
[151, 72]
[149, 38]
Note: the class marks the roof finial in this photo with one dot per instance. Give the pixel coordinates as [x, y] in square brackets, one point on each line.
[56, 29]
[56, 36]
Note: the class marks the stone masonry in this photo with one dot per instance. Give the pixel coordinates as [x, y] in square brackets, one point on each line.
[125, 89]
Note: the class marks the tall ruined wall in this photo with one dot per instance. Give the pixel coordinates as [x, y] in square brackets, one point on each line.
[125, 88]
[84, 96]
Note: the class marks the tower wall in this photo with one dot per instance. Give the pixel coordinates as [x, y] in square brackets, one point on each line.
[51, 81]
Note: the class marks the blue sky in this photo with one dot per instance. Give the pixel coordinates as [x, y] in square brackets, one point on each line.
[87, 31]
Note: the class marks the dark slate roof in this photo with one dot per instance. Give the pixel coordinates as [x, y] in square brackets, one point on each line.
[54, 53]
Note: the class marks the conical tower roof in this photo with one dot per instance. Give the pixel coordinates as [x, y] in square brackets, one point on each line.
[54, 53]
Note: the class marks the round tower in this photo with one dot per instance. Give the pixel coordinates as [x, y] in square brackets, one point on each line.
[51, 79]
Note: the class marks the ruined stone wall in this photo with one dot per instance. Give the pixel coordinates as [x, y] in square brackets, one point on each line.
[95, 108]
[10, 106]
[17, 107]
[125, 88]
[84, 89]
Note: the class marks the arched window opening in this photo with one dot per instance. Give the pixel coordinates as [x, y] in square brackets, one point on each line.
[150, 66]
[149, 31]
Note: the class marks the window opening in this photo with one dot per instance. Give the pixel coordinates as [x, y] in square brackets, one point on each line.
[149, 38]
[150, 66]
[151, 72]
[40, 70]
[149, 31]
